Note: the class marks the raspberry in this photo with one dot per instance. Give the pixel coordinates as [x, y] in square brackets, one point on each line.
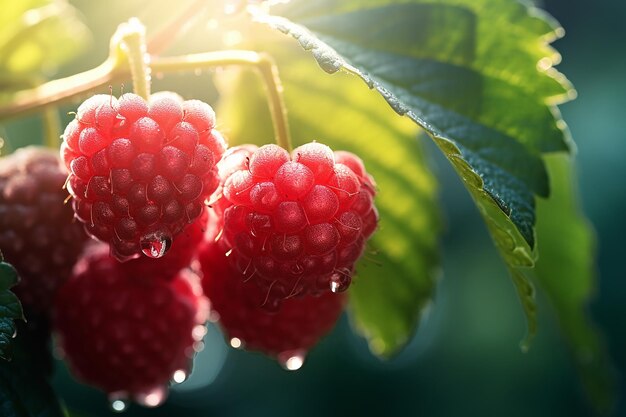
[286, 334]
[296, 223]
[37, 232]
[127, 336]
[141, 171]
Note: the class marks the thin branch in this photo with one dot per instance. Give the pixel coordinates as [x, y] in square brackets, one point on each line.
[133, 41]
[274, 86]
[62, 90]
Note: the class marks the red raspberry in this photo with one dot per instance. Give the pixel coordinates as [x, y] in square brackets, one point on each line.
[128, 336]
[287, 334]
[140, 172]
[296, 224]
[38, 234]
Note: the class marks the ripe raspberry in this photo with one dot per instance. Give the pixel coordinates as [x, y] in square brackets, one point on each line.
[38, 234]
[128, 336]
[287, 334]
[296, 224]
[140, 172]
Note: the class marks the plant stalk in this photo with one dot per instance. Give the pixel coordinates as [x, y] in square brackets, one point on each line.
[112, 70]
[133, 43]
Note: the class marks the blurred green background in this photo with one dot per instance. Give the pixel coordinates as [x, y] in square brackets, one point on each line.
[465, 358]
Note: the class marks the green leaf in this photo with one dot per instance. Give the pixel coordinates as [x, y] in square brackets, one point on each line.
[10, 308]
[395, 280]
[475, 74]
[565, 272]
[24, 388]
[36, 37]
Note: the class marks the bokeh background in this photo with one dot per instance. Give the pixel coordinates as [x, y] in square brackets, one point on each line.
[465, 358]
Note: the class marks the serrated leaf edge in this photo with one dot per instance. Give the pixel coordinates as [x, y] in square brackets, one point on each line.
[331, 62]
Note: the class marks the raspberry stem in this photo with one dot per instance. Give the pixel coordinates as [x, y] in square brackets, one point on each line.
[261, 61]
[269, 72]
[132, 40]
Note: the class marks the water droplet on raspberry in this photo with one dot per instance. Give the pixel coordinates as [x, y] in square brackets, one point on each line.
[199, 332]
[292, 360]
[236, 343]
[339, 281]
[155, 245]
[153, 398]
[179, 376]
[118, 402]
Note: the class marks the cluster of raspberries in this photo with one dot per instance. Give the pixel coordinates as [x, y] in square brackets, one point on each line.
[274, 252]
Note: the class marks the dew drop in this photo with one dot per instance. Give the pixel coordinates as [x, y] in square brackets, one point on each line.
[118, 402]
[198, 347]
[232, 7]
[212, 24]
[153, 398]
[236, 343]
[179, 376]
[339, 282]
[198, 332]
[155, 245]
[292, 360]
[232, 38]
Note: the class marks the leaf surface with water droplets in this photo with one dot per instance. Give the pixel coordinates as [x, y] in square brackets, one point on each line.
[477, 75]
